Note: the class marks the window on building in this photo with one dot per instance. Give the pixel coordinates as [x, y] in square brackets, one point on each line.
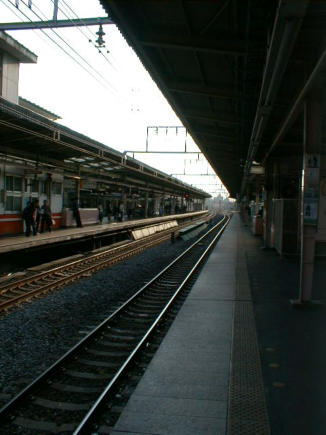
[43, 187]
[9, 183]
[17, 184]
[13, 203]
[56, 188]
[14, 186]
[33, 186]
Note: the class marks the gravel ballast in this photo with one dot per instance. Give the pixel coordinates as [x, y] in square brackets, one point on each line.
[36, 334]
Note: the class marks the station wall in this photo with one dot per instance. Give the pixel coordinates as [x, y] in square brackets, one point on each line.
[17, 188]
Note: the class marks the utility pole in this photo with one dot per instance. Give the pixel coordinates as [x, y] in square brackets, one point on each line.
[55, 10]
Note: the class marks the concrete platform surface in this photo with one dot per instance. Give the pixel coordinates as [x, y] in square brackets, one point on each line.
[15, 243]
[185, 389]
[239, 359]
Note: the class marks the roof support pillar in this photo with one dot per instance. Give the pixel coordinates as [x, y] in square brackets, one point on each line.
[309, 196]
[268, 204]
[146, 205]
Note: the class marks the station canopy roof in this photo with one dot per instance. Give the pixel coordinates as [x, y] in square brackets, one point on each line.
[231, 70]
[15, 49]
[29, 136]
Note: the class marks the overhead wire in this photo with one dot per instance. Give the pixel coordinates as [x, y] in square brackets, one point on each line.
[20, 18]
[69, 45]
[93, 35]
[117, 69]
[63, 49]
[67, 6]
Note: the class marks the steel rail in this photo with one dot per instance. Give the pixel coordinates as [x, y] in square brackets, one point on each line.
[59, 282]
[10, 406]
[111, 256]
[84, 425]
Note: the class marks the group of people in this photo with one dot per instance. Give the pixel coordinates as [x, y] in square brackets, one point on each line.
[36, 217]
[117, 213]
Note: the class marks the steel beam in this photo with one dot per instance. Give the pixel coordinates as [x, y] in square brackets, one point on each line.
[210, 116]
[188, 88]
[224, 48]
[210, 132]
[215, 17]
[298, 104]
[33, 25]
[287, 23]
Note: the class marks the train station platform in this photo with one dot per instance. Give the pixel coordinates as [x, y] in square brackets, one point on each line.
[18, 243]
[186, 388]
[238, 359]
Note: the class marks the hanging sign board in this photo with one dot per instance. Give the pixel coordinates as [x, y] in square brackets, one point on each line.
[311, 189]
[310, 208]
[258, 170]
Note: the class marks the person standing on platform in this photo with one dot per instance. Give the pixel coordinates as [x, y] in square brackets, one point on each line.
[121, 211]
[46, 218]
[28, 216]
[108, 211]
[76, 213]
[37, 213]
[100, 213]
[129, 212]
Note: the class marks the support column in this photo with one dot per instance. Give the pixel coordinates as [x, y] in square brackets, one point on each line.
[77, 189]
[257, 197]
[157, 200]
[124, 203]
[173, 202]
[246, 209]
[268, 206]
[309, 196]
[49, 189]
[146, 206]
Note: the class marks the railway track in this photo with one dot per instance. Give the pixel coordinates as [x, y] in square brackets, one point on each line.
[24, 289]
[69, 396]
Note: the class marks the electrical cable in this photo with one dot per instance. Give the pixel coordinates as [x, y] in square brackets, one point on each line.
[116, 69]
[20, 19]
[71, 48]
[93, 35]
[62, 48]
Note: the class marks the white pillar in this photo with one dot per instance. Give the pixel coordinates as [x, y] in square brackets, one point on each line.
[309, 196]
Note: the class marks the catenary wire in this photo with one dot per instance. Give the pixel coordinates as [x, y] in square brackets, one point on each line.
[71, 48]
[93, 35]
[59, 46]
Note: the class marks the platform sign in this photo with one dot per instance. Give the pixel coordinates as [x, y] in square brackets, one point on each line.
[312, 169]
[311, 189]
[310, 210]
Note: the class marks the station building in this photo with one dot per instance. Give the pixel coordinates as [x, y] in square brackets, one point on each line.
[41, 159]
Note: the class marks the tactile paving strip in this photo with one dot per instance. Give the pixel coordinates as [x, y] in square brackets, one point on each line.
[247, 406]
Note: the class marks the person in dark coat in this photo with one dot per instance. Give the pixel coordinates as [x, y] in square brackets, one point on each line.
[108, 211]
[100, 213]
[28, 216]
[75, 213]
[37, 215]
[46, 218]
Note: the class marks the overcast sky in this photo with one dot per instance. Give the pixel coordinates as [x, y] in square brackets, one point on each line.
[109, 97]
